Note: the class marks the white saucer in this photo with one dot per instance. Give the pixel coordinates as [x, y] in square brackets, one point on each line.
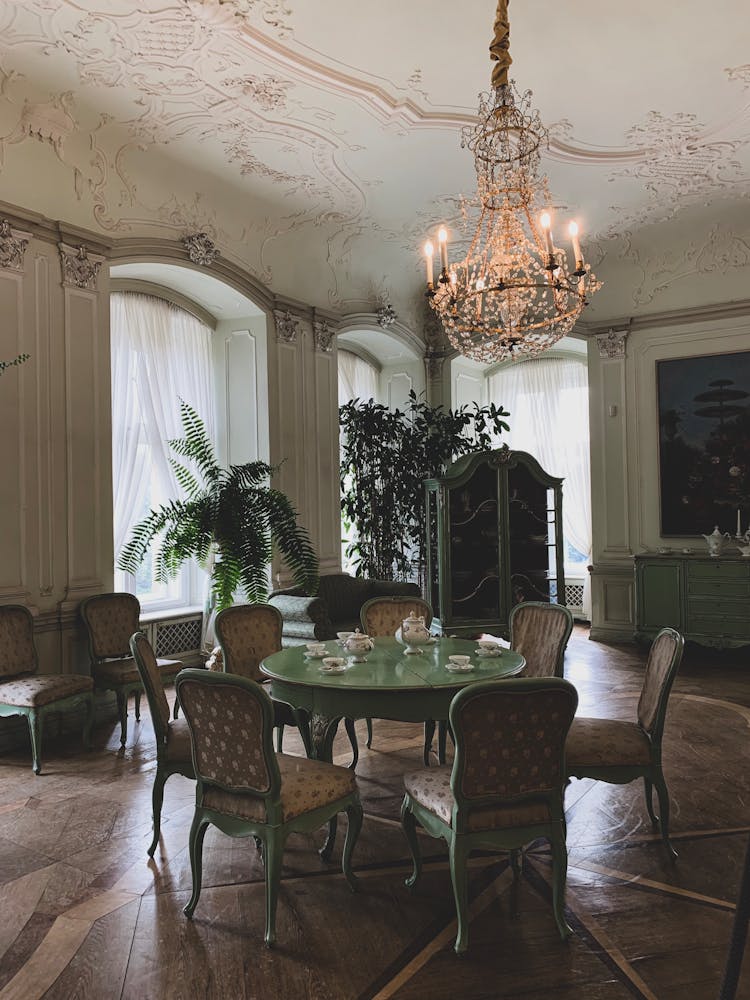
[489, 652]
[455, 669]
[332, 670]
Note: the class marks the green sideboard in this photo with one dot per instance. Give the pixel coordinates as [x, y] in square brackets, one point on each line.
[706, 599]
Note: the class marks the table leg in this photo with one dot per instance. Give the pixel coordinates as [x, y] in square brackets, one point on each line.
[322, 733]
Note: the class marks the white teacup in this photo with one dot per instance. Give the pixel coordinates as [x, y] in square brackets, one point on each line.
[333, 663]
[315, 648]
[343, 636]
[459, 660]
[488, 644]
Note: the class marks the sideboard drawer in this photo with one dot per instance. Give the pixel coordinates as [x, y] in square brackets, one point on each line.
[700, 569]
[727, 627]
[708, 586]
[716, 608]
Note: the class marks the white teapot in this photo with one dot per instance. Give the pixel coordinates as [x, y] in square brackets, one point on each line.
[358, 644]
[715, 541]
[413, 633]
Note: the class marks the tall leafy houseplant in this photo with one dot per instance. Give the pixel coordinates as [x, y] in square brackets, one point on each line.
[385, 458]
[229, 518]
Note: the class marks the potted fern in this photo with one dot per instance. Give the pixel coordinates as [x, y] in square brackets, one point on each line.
[229, 520]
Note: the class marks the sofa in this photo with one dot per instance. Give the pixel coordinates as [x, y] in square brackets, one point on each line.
[335, 608]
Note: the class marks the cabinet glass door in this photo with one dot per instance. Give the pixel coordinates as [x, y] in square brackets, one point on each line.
[474, 547]
[531, 524]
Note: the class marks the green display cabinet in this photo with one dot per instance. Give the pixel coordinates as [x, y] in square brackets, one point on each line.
[494, 539]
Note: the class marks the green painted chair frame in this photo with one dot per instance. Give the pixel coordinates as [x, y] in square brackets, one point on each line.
[540, 633]
[543, 693]
[35, 715]
[652, 714]
[166, 764]
[402, 605]
[245, 662]
[100, 655]
[273, 833]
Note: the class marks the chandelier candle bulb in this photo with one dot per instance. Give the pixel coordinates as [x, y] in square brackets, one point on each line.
[573, 233]
[546, 221]
[443, 241]
[429, 250]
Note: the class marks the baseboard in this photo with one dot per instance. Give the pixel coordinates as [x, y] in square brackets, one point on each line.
[599, 634]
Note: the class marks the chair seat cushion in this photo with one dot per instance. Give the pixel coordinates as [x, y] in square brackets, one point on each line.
[37, 690]
[178, 742]
[605, 743]
[432, 789]
[125, 671]
[305, 785]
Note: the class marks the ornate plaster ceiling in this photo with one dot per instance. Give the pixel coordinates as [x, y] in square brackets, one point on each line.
[318, 142]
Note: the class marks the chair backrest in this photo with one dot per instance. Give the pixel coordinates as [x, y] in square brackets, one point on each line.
[110, 620]
[231, 727]
[17, 649]
[510, 742]
[540, 633]
[661, 668]
[383, 615]
[153, 685]
[247, 633]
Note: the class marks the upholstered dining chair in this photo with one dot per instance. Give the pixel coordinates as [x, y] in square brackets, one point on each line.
[540, 633]
[173, 753]
[506, 785]
[25, 692]
[619, 751]
[110, 621]
[245, 789]
[247, 633]
[383, 616]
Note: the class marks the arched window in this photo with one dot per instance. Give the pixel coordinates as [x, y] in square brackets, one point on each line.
[549, 417]
[358, 379]
[160, 354]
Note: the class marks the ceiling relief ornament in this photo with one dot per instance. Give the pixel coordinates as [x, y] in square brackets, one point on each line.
[273, 13]
[268, 92]
[50, 122]
[200, 248]
[324, 336]
[721, 252]
[80, 269]
[386, 316]
[13, 243]
[739, 73]
[612, 344]
[287, 326]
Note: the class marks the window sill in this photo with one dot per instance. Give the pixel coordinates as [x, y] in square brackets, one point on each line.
[160, 614]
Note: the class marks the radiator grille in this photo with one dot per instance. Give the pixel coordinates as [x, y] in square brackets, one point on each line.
[574, 596]
[183, 636]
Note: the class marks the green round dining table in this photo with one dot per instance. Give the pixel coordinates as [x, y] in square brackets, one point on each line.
[390, 684]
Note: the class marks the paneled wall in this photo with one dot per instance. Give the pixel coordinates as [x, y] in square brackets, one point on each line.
[56, 490]
[625, 442]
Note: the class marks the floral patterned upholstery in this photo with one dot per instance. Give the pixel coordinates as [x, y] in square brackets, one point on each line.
[17, 653]
[33, 692]
[431, 788]
[384, 615]
[151, 676]
[596, 743]
[512, 742]
[111, 619]
[247, 634]
[661, 658]
[227, 723]
[540, 633]
[305, 785]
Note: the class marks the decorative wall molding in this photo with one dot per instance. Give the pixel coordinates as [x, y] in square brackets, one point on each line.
[612, 344]
[287, 326]
[13, 243]
[434, 364]
[324, 336]
[386, 316]
[80, 269]
[200, 248]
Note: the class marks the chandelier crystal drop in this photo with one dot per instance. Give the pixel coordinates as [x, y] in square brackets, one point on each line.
[514, 293]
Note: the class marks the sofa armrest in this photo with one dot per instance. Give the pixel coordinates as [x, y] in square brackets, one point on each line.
[304, 617]
[391, 588]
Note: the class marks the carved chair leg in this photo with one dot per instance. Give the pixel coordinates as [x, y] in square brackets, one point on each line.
[354, 815]
[195, 844]
[35, 731]
[409, 825]
[157, 798]
[122, 709]
[352, 734]
[429, 733]
[458, 856]
[279, 738]
[274, 853]
[369, 733]
[137, 706]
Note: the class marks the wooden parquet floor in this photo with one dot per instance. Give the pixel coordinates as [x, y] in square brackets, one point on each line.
[84, 914]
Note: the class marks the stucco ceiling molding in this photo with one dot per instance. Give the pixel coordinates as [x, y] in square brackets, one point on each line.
[13, 243]
[324, 336]
[611, 344]
[80, 269]
[200, 248]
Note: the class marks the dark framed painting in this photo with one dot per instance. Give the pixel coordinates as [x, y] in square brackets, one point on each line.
[704, 443]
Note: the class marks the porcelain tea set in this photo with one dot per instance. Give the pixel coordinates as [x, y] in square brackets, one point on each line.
[715, 542]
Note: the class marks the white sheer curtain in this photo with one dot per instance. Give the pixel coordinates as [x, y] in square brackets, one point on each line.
[549, 417]
[358, 379]
[160, 354]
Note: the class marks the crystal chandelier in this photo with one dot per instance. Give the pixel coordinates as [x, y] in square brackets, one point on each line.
[513, 294]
